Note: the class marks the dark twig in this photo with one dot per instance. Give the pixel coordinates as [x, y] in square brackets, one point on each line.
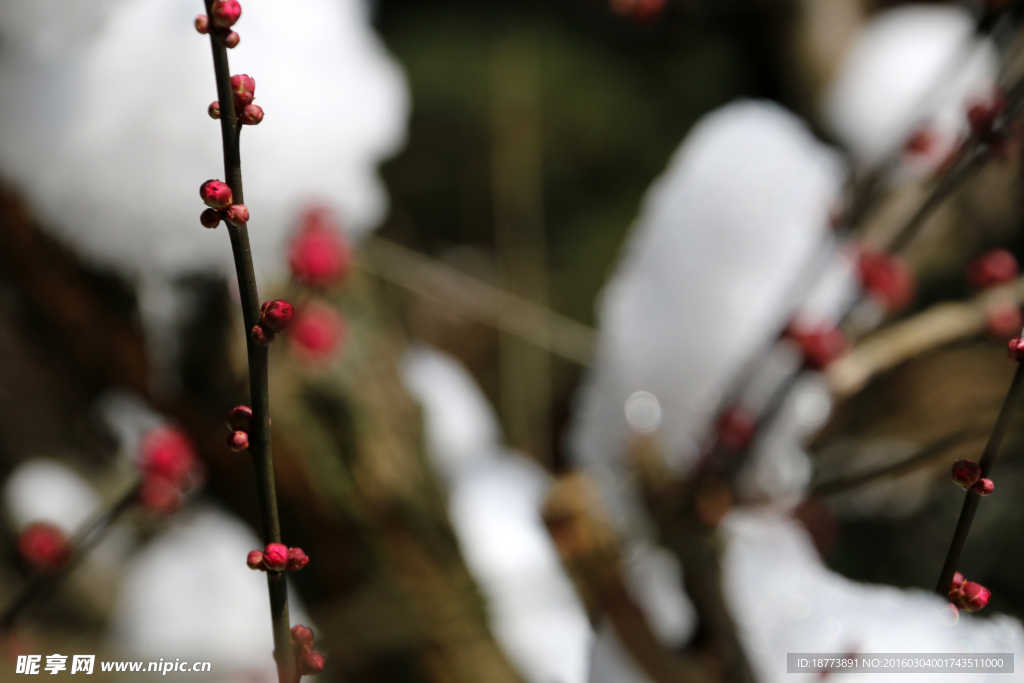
[45, 583]
[259, 437]
[988, 457]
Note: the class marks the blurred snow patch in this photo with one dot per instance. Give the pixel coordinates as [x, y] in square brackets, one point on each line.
[911, 66]
[460, 424]
[709, 277]
[785, 600]
[108, 133]
[129, 418]
[42, 490]
[495, 497]
[189, 594]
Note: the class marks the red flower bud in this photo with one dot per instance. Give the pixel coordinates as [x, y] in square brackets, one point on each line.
[275, 557]
[996, 267]
[203, 23]
[277, 315]
[319, 256]
[310, 663]
[302, 638]
[231, 40]
[167, 453]
[251, 115]
[1016, 348]
[214, 110]
[211, 218]
[736, 428]
[216, 194]
[263, 336]
[966, 473]
[243, 87]
[972, 596]
[886, 278]
[1004, 320]
[44, 546]
[240, 419]
[921, 142]
[317, 333]
[984, 487]
[820, 346]
[255, 560]
[238, 441]
[237, 214]
[226, 12]
[297, 559]
[160, 495]
[982, 118]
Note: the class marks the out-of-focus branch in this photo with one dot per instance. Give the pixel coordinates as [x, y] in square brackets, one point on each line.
[479, 301]
[590, 551]
[934, 327]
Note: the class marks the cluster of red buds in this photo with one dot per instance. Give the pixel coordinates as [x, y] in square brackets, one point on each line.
[240, 426]
[886, 278]
[995, 268]
[319, 256]
[277, 557]
[983, 117]
[217, 196]
[820, 345]
[223, 15]
[169, 468]
[44, 546]
[243, 92]
[275, 316]
[968, 595]
[307, 661]
[967, 475]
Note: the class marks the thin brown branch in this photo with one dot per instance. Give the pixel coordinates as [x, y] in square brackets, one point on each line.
[259, 437]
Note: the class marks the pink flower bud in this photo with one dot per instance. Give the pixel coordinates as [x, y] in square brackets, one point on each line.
[1016, 348]
[297, 559]
[203, 24]
[820, 346]
[316, 333]
[966, 473]
[160, 495]
[310, 663]
[168, 453]
[251, 115]
[886, 278]
[1004, 320]
[237, 214]
[263, 336]
[243, 88]
[319, 256]
[958, 580]
[973, 596]
[984, 487]
[302, 638]
[238, 441]
[736, 428]
[275, 557]
[211, 218]
[231, 40]
[240, 419]
[226, 12]
[216, 194]
[277, 315]
[996, 267]
[44, 546]
[214, 110]
[255, 560]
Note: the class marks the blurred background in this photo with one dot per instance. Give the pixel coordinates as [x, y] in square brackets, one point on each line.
[521, 238]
